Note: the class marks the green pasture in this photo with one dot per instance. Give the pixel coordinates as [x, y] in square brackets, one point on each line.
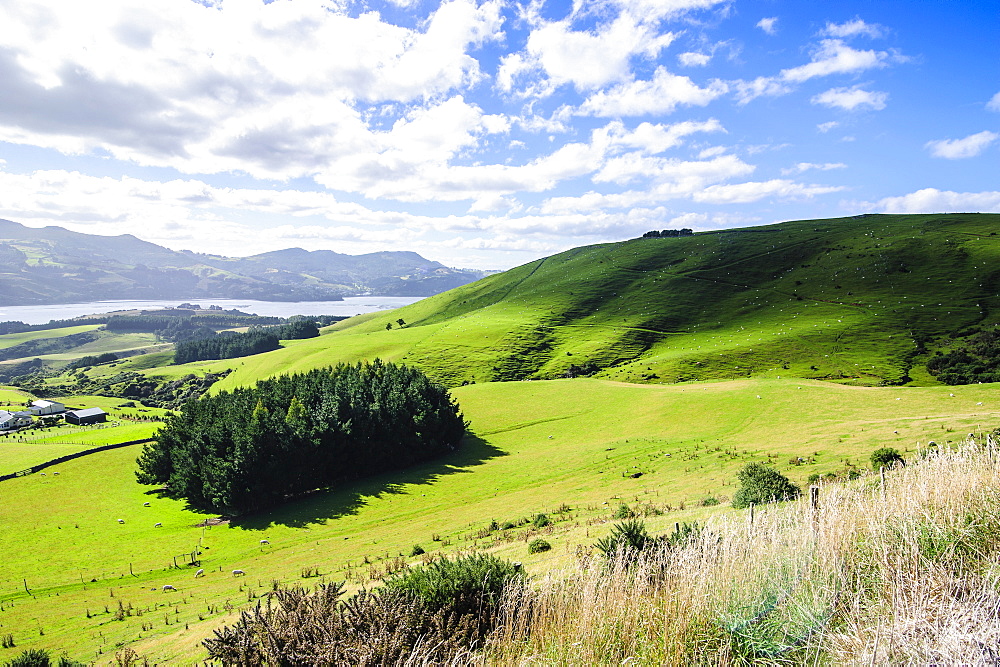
[27, 448]
[535, 447]
[11, 397]
[10, 340]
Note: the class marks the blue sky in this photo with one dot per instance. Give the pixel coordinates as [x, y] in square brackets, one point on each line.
[486, 134]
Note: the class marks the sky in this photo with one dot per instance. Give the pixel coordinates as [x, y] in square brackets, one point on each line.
[485, 134]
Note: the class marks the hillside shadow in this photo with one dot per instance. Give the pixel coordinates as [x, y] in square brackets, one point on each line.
[327, 504]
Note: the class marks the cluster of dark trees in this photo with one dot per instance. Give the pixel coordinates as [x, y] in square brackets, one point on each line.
[230, 345]
[226, 345]
[976, 361]
[16, 326]
[93, 360]
[166, 324]
[668, 233]
[251, 448]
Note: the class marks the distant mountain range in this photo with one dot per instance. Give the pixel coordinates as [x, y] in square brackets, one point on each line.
[54, 265]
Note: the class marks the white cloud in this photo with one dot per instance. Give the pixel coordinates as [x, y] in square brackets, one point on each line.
[853, 29]
[768, 25]
[656, 138]
[835, 57]
[238, 86]
[692, 59]
[802, 167]
[932, 200]
[851, 98]
[956, 149]
[831, 56]
[660, 95]
[587, 60]
[744, 193]
[660, 9]
[994, 103]
[826, 127]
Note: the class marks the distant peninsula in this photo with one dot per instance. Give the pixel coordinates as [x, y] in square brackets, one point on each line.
[52, 265]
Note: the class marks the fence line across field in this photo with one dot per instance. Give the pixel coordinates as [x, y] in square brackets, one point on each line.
[70, 457]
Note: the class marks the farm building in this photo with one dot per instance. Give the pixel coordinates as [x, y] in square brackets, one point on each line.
[10, 420]
[43, 407]
[86, 416]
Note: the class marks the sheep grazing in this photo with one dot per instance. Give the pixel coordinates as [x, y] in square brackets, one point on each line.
[238, 573]
[200, 573]
[263, 542]
[121, 520]
[168, 587]
[55, 473]
[157, 525]
[979, 403]
[146, 504]
[42, 474]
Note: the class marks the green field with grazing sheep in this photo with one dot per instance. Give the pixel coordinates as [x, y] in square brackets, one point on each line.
[568, 448]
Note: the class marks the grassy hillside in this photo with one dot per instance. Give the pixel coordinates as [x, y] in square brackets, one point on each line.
[537, 446]
[861, 300]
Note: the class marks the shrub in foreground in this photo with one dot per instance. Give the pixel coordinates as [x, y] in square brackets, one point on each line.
[537, 546]
[627, 536]
[887, 457]
[430, 614]
[465, 583]
[760, 484]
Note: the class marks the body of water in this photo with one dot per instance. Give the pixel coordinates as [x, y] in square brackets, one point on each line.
[353, 305]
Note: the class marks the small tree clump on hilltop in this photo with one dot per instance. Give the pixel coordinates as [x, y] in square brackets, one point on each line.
[760, 484]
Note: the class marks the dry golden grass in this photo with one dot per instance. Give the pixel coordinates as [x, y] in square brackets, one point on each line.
[905, 573]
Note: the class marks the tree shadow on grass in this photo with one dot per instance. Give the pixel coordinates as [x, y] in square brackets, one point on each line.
[326, 504]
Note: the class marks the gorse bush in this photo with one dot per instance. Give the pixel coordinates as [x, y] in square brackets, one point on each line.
[623, 512]
[36, 657]
[430, 614]
[541, 520]
[465, 582]
[538, 545]
[886, 456]
[251, 448]
[760, 484]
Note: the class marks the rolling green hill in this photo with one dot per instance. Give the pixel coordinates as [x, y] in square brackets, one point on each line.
[862, 300]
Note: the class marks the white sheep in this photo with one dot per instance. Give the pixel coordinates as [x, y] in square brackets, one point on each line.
[42, 474]
[200, 573]
[121, 520]
[263, 542]
[56, 473]
[146, 504]
[979, 403]
[238, 573]
[157, 525]
[168, 587]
